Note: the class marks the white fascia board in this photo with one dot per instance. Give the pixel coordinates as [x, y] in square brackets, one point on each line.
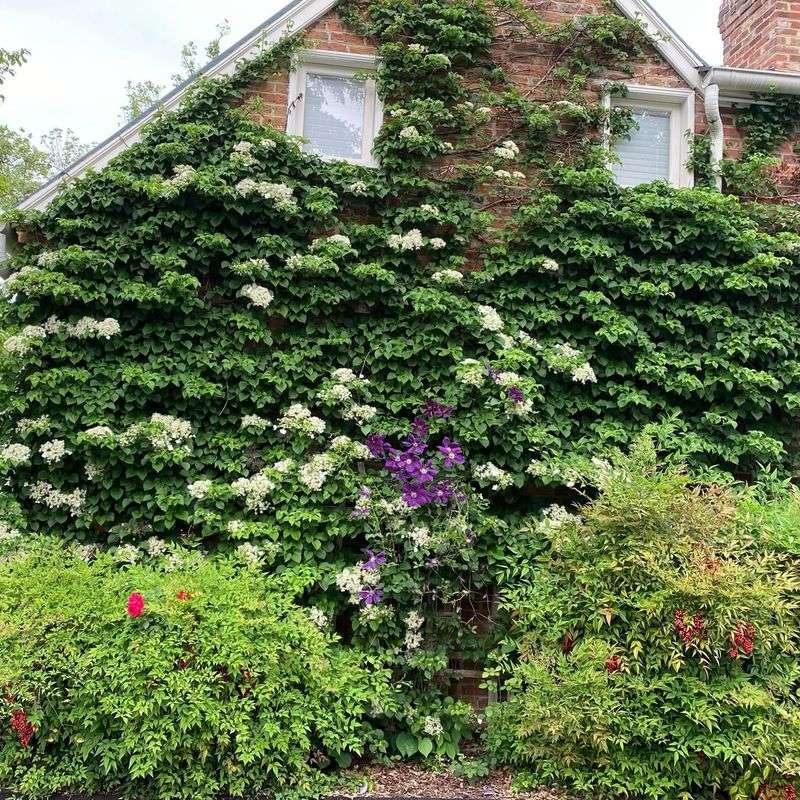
[295, 17]
[675, 50]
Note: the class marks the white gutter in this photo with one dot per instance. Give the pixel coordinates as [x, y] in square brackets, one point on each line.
[716, 130]
[729, 85]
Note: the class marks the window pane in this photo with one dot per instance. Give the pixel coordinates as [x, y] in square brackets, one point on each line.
[334, 116]
[645, 156]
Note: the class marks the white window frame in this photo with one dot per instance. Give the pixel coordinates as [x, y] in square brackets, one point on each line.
[679, 104]
[340, 65]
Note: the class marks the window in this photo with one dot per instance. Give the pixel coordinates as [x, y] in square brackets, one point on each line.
[334, 106]
[657, 148]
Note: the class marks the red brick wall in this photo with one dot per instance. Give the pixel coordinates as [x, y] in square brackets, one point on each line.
[328, 33]
[761, 34]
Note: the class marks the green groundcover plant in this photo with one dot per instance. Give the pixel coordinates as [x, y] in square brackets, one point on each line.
[200, 681]
[654, 652]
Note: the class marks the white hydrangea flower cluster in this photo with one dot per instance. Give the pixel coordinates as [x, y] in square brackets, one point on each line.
[432, 726]
[99, 432]
[243, 154]
[345, 446]
[182, 176]
[251, 553]
[279, 193]
[550, 265]
[155, 546]
[554, 518]
[299, 419]
[584, 373]
[509, 177]
[29, 425]
[437, 244]
[256, 490]
[429, 211]
[169, 431]
[283, 466]
[420, 537]
[360, 413]
[471, 372]
[490, 319]
[259, 296]
[336, 239]
[15, 454]
[414, 622]
[84, 328]
[316, 471]
[447, 277]
[351, 580]
[54, 451]
[337, 394]
[318, 617]
[44, 493]
[250, 267]
[7, 532]
[199, 489]
[255, 423]
[413, 240]
[358, 188]
[48, 259]
[490, 473]
[509, 150]
[126, 554]
[409, 132]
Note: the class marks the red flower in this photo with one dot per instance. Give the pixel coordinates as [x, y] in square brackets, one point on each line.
[744, 635]
[21, 725]
[135, 605]
[184, 595]
[613, 664]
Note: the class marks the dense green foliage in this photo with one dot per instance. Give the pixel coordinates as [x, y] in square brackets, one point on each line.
[222, 344]
[222, 685]
[654, 652]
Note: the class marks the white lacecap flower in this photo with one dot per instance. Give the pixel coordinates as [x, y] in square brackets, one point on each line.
[155, 546]
[99, 432]
[420, 537]
[360, 413]
[298, 418]
[316, 471]
[256, 491]
[584, 374]
[432, 726]
[437, 244]
[199, 489]
[409, 132]
[344, 375]
[413, 240]
[254, 422]
[169, 431]
[471, 372]
[490, 319]
[358, 188]
[278, 193]
[490, 473]
[447, 276]
[318, 617]
[250, 553]
[15, 454]
[258, 296]
[550, 265]
[126, 554]
[53, 451]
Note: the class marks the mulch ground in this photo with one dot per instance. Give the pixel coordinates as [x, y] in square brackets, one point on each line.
[410, 782]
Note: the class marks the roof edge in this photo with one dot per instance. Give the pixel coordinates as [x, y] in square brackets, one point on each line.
[297, 15]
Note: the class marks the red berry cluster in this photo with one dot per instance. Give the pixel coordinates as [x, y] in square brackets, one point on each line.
[790, 793]
[689, 630]
[613, 664]
[22, 726]
[744, 635]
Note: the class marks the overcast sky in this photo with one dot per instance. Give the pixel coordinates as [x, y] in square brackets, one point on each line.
[84, 51]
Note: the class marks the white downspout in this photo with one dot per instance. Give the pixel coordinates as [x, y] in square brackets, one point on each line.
[716, 131]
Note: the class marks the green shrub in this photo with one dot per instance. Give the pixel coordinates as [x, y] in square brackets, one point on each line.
[222, 685]
[654, 652]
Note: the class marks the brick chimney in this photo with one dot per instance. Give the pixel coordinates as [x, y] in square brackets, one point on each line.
[761, 34]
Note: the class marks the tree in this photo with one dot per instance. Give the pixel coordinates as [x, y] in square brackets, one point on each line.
[62, 147]
[141, 95]
[23, 166]
[9, 61]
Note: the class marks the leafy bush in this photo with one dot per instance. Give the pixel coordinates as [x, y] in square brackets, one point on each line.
[202, 681]
[654, 654]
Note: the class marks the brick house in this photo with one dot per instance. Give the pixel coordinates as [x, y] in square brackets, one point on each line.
[672, 91]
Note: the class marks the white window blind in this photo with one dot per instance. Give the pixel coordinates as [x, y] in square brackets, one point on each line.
[334, 115]
[645, 155]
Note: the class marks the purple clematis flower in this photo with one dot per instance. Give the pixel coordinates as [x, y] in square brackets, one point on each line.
[419, 428]
[370, 596]
[415, 496]
[376, 444]
[374, 560]
[425, 472]
[433, 410]
[516, 394]
[452, 453]
[441, 493]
